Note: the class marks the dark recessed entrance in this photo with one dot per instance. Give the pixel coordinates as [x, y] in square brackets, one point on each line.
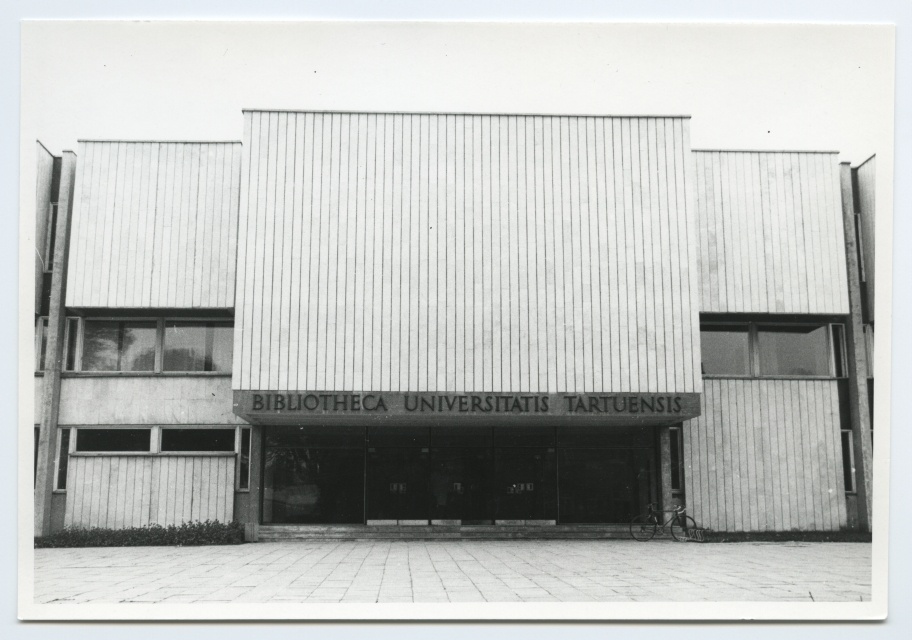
[397, 483]
[457, 475]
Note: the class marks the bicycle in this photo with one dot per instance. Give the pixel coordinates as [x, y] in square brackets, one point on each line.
[683, 528]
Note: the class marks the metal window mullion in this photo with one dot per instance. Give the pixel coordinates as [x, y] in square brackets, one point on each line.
[159, 345]
[80, 333]
[209, 340]
[120, 337]
[155, 440]
[754, 343]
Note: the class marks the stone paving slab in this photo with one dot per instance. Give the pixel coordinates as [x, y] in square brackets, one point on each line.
[457, 571]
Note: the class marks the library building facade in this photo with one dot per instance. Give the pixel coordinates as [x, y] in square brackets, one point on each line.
[362, 322]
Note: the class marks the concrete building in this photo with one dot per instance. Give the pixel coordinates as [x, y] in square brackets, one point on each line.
[443, 320]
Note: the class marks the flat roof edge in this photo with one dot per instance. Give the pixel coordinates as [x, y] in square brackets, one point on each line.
[763, 151]
[470, 113]
[105, 140]
[865, 161]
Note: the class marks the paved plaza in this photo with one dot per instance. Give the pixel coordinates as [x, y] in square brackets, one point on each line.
[457, 571]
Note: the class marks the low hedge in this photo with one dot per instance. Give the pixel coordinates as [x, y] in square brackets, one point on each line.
[153, 535]
[786, 536]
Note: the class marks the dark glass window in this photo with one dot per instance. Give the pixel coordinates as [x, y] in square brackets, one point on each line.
[524, 436]
[118, 346]
[839, 351]
[677, 460]
[794, 351]
[63, 459]
[41, 354]
[198, 346]
[244, 461]
[725, 349]
[113, 440]
[848, 461]
[304, 485]
[401, 436]
[604, 485]
[72, 341]
[464, 436]
[197, 440]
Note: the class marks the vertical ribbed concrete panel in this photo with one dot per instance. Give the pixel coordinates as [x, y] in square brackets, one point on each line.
[766, 455]
[770, 232]
[154, 225]
[399, 252]
[119, 492]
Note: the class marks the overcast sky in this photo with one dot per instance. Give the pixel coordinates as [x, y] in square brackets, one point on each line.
[748, 87]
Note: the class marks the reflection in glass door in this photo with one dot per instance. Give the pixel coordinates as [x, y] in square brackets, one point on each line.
[313, 486]
[460, 485]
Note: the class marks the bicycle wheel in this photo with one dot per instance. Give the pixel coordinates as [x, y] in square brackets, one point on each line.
[683, 528]
[643, 528]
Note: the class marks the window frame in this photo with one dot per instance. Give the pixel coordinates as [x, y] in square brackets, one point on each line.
[756, 324]
[158, 369]
[155, 440]
[196, 427]
[74, 439]
[830, 357]
[67, 323]
[751, 356]
[202, 320]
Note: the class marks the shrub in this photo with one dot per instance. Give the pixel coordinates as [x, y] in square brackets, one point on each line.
[153, 535]
[787, 536]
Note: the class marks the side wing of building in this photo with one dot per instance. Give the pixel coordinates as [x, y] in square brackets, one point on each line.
[766, 454]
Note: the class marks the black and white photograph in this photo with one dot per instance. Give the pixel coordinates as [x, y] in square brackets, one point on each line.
[366, 320]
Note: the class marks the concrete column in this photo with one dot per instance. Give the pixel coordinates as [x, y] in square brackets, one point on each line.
[50, 398]
[252, 519]
[857, 360]
[665, 499]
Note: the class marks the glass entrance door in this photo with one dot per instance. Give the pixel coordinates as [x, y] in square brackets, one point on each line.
[397, 483]
[461, 485]
[526, 484]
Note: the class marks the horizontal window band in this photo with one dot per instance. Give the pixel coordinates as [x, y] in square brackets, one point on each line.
[761, 378]
[149, 454]
[145, 374]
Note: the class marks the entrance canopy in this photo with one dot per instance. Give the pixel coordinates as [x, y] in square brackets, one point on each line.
[314, 408]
